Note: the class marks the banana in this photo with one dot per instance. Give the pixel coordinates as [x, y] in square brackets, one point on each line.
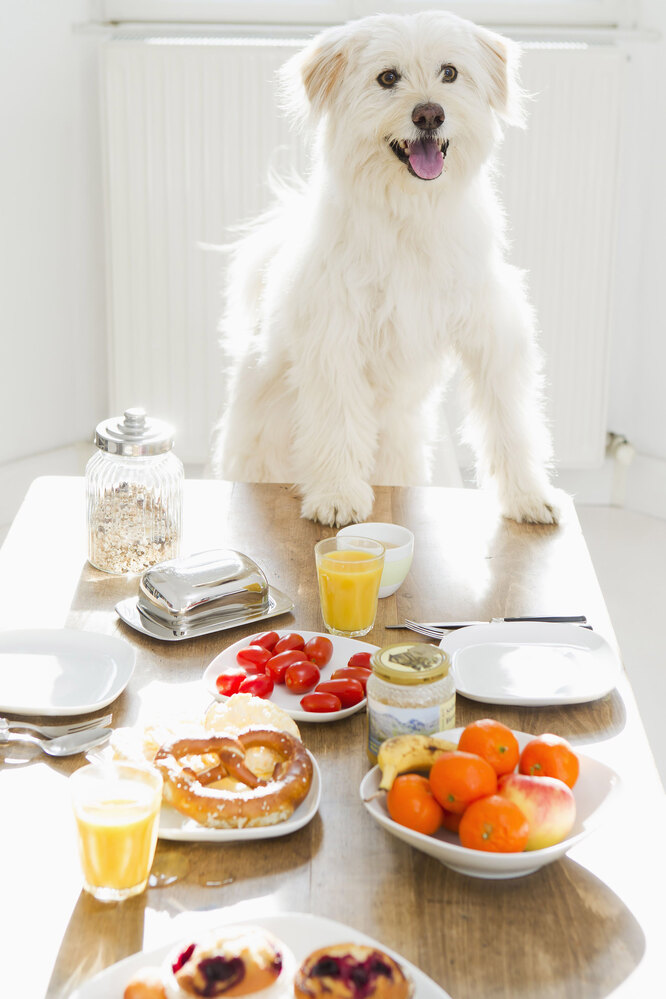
[409, 752]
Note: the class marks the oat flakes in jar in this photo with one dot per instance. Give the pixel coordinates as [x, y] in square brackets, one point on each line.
[134, 494]
[410, 690]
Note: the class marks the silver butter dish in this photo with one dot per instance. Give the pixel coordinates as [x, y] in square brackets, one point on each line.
[200, 594]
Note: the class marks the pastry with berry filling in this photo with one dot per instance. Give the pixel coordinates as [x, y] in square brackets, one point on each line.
[351, 971]
[237, 961]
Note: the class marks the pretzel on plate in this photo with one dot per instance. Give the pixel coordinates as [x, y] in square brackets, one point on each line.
[260, 803]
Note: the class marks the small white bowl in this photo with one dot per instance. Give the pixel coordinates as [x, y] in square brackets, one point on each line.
[594, 791]
[399, 544]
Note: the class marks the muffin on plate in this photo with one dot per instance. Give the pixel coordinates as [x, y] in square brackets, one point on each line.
[351, 971]
[233, 961]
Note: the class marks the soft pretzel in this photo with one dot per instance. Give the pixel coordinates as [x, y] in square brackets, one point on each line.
[260, 803]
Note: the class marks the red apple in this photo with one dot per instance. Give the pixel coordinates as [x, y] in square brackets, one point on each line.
[546, 802]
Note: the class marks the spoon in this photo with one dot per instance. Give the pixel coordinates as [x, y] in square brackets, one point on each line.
[64, 745]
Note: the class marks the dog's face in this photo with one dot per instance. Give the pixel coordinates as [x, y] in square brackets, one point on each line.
[407, 99]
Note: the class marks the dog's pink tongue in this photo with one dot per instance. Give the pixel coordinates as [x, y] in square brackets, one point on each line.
[426, 159]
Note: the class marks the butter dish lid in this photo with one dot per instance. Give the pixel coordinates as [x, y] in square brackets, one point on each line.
[201, 593]
[209, 583]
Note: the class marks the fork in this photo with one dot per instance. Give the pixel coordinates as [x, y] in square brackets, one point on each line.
[439, 631]
[51, 731]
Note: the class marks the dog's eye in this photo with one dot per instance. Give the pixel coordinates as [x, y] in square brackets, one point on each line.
[449, 73]
[388, 78]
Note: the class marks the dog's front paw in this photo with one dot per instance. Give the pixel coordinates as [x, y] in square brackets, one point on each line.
[338, 508]
[533, 508]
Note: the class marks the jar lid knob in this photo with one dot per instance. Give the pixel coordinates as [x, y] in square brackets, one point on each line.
[134, 422]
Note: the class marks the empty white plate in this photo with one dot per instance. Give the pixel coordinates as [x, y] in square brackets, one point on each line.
[61, 672]
[531, 664]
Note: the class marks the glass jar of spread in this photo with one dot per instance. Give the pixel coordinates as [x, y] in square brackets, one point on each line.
[134, 494]
[410, 690]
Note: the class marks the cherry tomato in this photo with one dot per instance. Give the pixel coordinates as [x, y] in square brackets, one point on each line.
[277, 666]
[353, 673]
[268, 640]
[290, 641]
[319, 650]
[360, 659]
[321, 702]
[350, 692]
[258, 686]
[228, 683]
[301, 677]
[253, 658]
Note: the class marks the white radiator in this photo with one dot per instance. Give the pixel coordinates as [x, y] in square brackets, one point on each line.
[191, 129]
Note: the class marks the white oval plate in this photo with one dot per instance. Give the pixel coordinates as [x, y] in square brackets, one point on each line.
[343, 649]
[531, 664]
[301, 932]
[175, 826]
[594, 789]
[62, 672]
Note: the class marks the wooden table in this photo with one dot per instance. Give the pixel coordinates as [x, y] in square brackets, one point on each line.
[589, 925]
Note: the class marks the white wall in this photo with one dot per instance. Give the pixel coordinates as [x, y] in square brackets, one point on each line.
[52, 322]
[638, 395]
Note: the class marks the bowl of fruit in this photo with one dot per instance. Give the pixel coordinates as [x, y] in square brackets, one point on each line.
[487, 801]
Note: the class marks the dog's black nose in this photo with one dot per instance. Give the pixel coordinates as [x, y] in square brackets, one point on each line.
[428, 117]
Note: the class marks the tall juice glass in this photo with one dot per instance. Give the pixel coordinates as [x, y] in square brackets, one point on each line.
[349, 570]
[116, 807]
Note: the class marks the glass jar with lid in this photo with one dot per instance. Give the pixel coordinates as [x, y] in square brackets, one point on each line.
[134, 494]
[410, 690]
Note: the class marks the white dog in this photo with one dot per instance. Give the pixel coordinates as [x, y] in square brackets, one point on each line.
[346, 300]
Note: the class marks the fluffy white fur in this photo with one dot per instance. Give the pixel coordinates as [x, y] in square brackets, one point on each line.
[347, 303]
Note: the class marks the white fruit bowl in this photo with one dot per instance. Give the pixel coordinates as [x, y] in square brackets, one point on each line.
[594, 790]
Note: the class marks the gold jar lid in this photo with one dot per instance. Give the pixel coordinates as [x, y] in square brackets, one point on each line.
[410, 662]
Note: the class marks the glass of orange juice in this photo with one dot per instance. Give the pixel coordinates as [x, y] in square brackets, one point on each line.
[117, 808]
[349, 570]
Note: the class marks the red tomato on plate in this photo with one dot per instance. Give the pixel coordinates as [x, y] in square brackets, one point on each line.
[350, 692]
[268, 640]
[353, 673]
[290, 641]
[319, 650]
[360, 659]
[301, 677]
[253, 658]
[277, 666]
[258, 686]
[321, 703]
[229, 683]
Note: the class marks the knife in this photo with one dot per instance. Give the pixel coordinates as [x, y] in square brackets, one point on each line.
[576, 619]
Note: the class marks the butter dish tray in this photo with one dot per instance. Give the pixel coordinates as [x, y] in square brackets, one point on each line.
[201, 594]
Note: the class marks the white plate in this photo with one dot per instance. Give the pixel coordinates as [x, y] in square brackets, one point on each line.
[175, 826]
[343, 649]
[531, 664]
[302, 932]
[63, 672]
[593, 791]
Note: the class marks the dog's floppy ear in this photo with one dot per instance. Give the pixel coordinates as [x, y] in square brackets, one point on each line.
[311, 79]
[501, 58]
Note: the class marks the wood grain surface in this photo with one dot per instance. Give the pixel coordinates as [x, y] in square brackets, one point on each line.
[590, 925]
